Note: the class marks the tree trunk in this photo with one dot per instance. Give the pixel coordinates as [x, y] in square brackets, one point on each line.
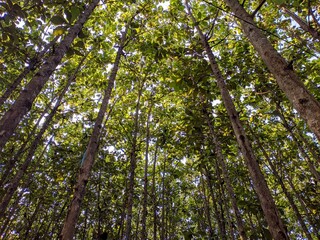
[163, 195]
[153, 192]
[302, 100]
[24, 102]
[133, 164]
[89, 156]
[207, 208]
[214, 200]
[270, 211]
[145, 186]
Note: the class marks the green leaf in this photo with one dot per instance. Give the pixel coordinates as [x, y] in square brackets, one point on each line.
[79, 44]
[75, 11]
[58, 20]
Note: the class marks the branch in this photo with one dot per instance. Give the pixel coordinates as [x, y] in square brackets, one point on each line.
[258, 8]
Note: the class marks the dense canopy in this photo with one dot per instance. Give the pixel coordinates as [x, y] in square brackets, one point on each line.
[160, 119]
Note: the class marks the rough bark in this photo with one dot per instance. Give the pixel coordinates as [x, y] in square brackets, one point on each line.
[14, 183]
[89, 156]
[302, 100]
[270, 211]
[24, 102]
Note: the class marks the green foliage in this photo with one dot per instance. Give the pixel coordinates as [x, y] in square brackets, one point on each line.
[163, 56]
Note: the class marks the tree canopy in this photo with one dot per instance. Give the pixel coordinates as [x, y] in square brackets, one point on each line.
[160, 119]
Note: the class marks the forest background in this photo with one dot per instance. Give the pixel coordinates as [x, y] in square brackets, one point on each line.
[159, 119]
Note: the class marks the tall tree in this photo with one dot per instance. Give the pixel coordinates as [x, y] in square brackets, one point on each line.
[271, 213]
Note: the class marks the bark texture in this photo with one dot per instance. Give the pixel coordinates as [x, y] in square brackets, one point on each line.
[88, 160]
[302, 100]
[23, 104]
[270, 211]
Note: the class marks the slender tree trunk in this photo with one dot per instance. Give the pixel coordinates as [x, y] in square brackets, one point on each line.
[214, 200]
[207, 208]
[123, 213]
[163, 205]
[133, 164]
[302, 100]
[16, 179]
[270, 211]
[24, 102]
[284, 189]
[225, 173]
[145, 186]
[9, 219]
[89, 156]
[31, 67]
[221, 199]
[33, 218]
[153, 191]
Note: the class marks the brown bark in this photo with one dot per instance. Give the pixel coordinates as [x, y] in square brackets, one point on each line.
[145, 186]
[302, 100]
[24, 102]
[270, 211]
[153, 192]
[133, 164]
[163, 198]
[16, 179]
[89, 156]
[207, 208]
